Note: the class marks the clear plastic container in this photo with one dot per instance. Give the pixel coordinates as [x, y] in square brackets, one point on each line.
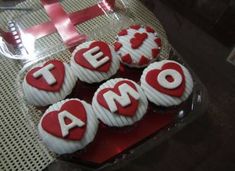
[30, 37]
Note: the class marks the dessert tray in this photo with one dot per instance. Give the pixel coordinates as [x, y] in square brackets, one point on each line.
[40, 35]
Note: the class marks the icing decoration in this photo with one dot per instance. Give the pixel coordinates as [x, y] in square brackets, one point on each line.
[122, 99]
[155, 52]
[135, 27]
[169, 80]
[123, 32]
[46, 74]
[143, 60]
[117, 46]
[150, 30]
[158, 41]
[138, 40]
[97, 57]
[49, 77]
[127, 59]
[67, 123]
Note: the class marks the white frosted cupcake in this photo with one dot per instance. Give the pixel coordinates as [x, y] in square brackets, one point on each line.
[68, 126]
[167, 83]
[119, 102]
[48, 83]
[94, 61]
[137, 46]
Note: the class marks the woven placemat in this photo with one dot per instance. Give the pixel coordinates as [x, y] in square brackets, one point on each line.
[20, 145]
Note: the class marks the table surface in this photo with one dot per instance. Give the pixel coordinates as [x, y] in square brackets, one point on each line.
[206, 144]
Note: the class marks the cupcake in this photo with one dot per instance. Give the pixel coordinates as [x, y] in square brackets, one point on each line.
[119, 102]
[167, 83]
[137, 46]
[68, 126]
[48, 83]
[94, 61]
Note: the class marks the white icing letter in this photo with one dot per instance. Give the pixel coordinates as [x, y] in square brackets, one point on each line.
[124, 100]
[93, 57]
[66, 127]
[47, 75]
[162, 78]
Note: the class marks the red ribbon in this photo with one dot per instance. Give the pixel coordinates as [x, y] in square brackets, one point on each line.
[64, 23]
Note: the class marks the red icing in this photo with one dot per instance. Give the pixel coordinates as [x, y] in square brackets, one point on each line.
[150, 30]
[144, 60]
[123, 32]
[104, 48]
[129, 110]
[155, 52]
[127, 59]
[158, 41]
[40, 83]
[50, 122]
[138, 40]
[136, 27]
[152, 75]
[117, 46]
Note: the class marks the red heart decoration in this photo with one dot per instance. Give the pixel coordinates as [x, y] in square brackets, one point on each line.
[40, 83]
[50, 123]
[117, 46]
[104, 48]
[158, 41]
[129, 110]
[143, 61]
[155, 52]
[138, 40]
[127, 58]
[135, 27]
[152, 75]
[150, 29]
[123, 32]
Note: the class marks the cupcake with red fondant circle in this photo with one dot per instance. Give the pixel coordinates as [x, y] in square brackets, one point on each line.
[94, 61]
[138, 45]
[167, 83]
[68, 126]
[48, 82]
[119, 102]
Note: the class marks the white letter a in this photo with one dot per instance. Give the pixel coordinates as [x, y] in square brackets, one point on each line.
[66, 127]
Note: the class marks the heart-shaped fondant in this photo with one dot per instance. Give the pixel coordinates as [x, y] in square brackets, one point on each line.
[138, 40]
[51, 124]
[58, 72]
[129, 110]
[103, 48]
[152, 80]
